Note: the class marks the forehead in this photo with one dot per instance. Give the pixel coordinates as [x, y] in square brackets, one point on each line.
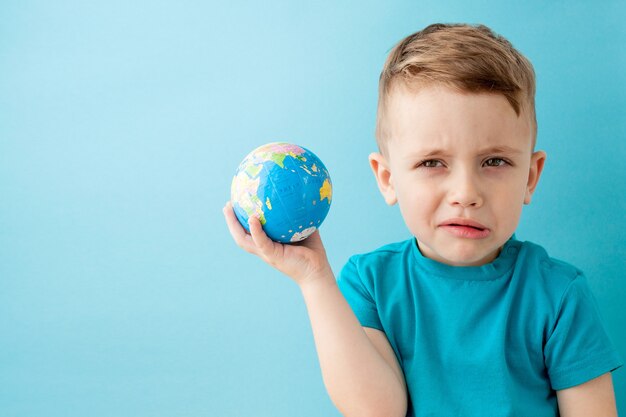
[441, 117]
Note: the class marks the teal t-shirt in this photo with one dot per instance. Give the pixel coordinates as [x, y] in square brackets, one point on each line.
[492, 340]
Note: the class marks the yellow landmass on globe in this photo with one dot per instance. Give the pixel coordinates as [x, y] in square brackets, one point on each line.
[326, 192]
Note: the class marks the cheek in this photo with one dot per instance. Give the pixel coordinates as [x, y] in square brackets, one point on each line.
[509, 207]
[506, 189]
[417, 203]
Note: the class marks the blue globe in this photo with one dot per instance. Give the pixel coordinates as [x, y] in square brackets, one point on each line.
[286, 186]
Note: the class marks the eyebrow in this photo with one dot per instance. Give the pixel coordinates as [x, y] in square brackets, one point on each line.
[503, 149]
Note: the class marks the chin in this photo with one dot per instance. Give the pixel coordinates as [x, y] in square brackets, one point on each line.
[460, 252]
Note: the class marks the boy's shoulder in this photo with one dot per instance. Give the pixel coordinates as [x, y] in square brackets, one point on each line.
[539, 270]
[534, 254]
[374, 268]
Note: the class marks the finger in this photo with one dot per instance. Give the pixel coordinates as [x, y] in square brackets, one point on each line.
[264, 244]
[243, 239]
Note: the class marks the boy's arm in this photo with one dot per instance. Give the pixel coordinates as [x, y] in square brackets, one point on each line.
[593, 398]
[359, 367]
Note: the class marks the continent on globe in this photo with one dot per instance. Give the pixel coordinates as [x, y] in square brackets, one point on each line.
[286, 186]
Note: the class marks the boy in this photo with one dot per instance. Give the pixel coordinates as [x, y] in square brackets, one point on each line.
[462, 319]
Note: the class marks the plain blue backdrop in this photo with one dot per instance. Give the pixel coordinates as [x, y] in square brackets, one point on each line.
[121, 125]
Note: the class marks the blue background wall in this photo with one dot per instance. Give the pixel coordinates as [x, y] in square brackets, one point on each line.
[121, 124]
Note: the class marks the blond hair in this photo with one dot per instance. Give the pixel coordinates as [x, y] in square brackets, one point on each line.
[469, 58]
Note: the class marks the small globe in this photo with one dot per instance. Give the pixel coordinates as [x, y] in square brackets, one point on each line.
[286, 186]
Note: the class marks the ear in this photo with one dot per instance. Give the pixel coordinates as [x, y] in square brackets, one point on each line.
[380, 168]
[537, 160]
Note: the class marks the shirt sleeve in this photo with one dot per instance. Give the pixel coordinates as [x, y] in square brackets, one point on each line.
[358, 296]
[579, 348]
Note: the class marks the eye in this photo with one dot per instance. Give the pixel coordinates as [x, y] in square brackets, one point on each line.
[431, 163]
[495, 162]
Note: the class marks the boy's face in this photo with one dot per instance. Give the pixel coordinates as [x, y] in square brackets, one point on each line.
[461, 167]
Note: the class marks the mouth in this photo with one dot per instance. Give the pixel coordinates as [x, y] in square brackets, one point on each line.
[465, 228]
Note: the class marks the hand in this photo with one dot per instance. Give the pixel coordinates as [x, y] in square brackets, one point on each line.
[302, 261]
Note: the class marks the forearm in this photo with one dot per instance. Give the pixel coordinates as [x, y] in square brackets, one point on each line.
[358, 379]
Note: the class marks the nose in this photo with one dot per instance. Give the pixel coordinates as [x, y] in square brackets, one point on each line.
[465, 191]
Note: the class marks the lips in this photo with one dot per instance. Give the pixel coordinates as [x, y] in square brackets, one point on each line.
[465, 228]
